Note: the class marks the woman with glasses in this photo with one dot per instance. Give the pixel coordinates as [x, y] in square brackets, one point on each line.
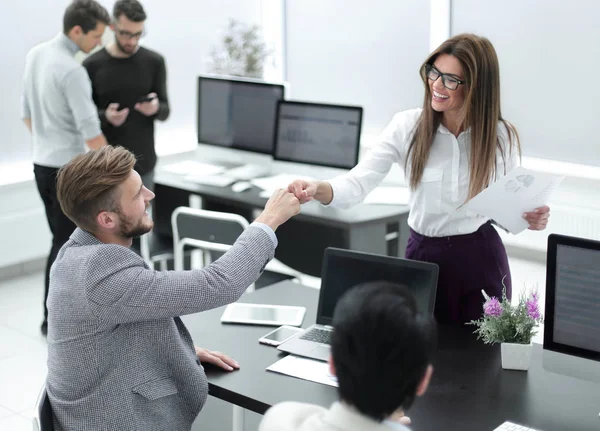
[450, 150]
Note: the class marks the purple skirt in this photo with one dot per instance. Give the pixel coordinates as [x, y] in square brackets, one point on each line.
[467, 264]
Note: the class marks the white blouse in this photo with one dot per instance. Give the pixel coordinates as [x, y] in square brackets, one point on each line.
[436, 206]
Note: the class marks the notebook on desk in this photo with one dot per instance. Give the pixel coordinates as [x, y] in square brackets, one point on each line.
[344, 269]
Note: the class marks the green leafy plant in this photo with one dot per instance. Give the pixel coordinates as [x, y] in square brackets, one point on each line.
[503, 322]
[241, 53]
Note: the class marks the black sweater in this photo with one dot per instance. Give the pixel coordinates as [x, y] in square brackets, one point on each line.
[125, 81]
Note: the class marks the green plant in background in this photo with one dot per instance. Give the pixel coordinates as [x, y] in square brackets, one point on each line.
[503, 322]
[241, 53]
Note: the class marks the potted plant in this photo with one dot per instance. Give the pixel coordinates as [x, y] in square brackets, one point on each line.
[511, 325]
[242, 52]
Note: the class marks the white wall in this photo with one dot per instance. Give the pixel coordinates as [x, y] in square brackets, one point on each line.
[549, 54]
[358, 53]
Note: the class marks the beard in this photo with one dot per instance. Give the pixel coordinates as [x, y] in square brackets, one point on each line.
[124, 50]
[130, 229]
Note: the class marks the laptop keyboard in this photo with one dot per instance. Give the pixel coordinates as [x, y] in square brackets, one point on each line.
[317, 335]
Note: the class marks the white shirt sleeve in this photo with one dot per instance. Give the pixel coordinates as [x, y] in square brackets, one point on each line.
[25, 111]
[352, 188]
[78, 90]
[268, 230]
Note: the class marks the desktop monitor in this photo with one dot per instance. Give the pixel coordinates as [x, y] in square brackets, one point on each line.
[318, 134]
[572, 319]
[237, 113]
[343, 269]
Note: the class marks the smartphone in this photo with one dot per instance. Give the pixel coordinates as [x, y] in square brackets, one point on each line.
[279, 335]
[145, 99]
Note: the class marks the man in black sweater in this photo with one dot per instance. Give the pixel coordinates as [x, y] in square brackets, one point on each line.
[129, 87]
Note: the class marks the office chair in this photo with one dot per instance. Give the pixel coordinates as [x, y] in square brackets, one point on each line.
[42, 413]
[214, 233]
[156, 249]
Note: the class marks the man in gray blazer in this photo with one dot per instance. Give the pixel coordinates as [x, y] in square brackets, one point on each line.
[119, 357]
[381, 351]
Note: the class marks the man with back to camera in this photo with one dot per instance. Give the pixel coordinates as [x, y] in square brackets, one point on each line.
[57, 108]
[381, 353]
[129, 84]
[119, 357]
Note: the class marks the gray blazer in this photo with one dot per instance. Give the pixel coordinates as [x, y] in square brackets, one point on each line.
[119, 358]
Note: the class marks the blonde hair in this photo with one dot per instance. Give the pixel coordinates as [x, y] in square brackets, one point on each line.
[480, 113]
[87, 185]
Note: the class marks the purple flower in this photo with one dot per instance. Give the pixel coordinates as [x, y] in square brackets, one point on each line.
[492, 307]
[532, 307]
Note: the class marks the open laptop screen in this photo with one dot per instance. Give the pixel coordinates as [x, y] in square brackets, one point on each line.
[343, 269]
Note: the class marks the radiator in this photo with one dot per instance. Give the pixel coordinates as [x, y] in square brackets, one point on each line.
[564, 220]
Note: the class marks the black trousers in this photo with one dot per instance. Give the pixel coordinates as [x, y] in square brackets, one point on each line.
[60, 226]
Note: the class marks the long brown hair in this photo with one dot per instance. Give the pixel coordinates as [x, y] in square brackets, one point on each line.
[87, 185]
[480, 113]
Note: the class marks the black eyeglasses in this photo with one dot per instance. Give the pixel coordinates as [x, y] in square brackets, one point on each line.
[451, 82]
[129, 35]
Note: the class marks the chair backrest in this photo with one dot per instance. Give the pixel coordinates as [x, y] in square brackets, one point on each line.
[214, 233]
[42, 414]
[210, 231]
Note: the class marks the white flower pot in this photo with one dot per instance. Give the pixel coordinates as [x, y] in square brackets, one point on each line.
[516, 356]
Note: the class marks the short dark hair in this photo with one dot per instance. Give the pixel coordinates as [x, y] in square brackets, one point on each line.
[132, 9]
[87, 185]
[381, 348]
[86, 14]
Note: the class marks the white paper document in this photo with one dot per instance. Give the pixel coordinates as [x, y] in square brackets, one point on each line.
[192, 167]
[520, 191]
[388, 196]
[305, 369]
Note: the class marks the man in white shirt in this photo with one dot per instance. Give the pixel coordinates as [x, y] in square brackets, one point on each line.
[381, 352]
[57, 108]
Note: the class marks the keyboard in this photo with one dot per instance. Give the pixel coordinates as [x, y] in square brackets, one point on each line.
[322, 336]
[247, 172]
[510, 426]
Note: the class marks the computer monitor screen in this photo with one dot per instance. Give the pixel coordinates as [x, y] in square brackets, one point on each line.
[318, 134]
[344, 269]
[572, 315]
[237, 113]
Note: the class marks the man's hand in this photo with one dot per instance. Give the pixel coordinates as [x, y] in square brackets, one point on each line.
[280, 207]
[538, 218]
[27, 122]
[114, 116]
[219, 359]
[148, 108]
[398, 416]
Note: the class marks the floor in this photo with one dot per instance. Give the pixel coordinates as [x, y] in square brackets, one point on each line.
[23, 348]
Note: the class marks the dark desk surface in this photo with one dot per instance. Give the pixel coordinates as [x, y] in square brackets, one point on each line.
[313, 211]
[469, 390]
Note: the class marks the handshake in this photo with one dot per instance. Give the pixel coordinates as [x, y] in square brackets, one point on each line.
[284, 204]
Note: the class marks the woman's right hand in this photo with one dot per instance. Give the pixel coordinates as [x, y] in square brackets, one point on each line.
[305, 191]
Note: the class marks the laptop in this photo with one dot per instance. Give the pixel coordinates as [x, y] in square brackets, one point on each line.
[342, 270]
